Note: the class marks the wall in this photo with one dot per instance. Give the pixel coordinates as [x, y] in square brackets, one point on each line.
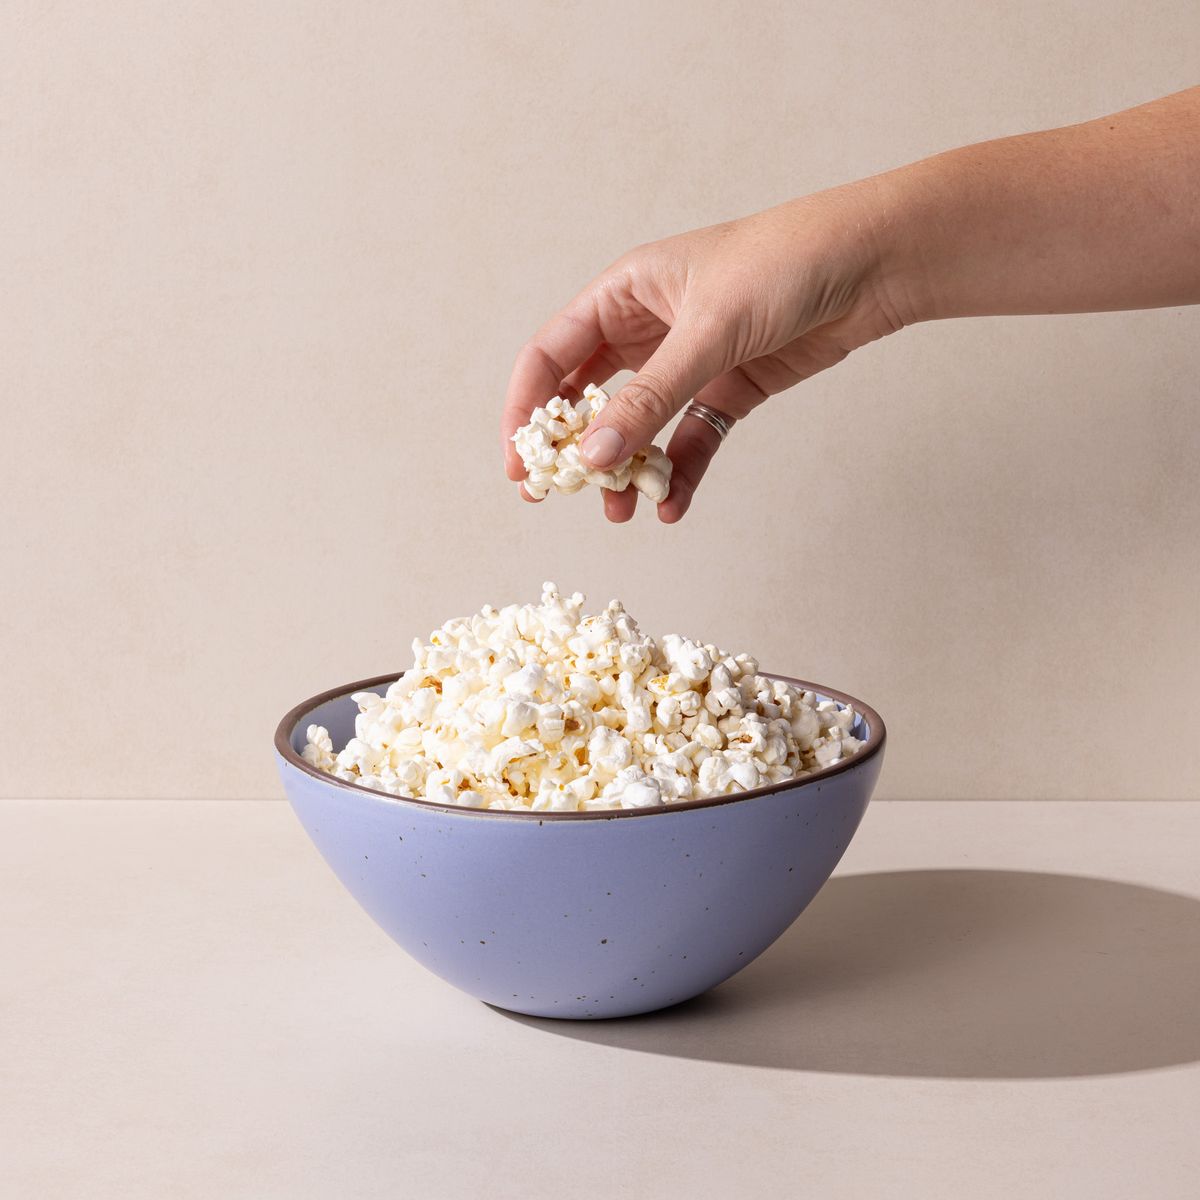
[265, 270]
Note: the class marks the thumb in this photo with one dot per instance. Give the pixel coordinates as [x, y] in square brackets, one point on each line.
[683, 363]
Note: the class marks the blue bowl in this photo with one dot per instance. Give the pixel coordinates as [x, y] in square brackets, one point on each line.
[580, 915]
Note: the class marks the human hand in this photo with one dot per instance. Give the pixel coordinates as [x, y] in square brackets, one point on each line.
[729, 315]
[1090, 217]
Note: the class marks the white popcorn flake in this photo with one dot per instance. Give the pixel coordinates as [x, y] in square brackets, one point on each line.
[541, 708]
[318, 749]
[549, 448]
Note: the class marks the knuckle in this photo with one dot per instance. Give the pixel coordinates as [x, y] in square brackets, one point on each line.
[647, 396]
[620, 270]
[641, 260]
[638, 254]
[536, 355]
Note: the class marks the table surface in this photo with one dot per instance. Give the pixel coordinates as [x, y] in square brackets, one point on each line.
[988, 999]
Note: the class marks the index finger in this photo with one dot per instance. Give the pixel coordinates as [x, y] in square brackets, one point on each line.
[562, 344]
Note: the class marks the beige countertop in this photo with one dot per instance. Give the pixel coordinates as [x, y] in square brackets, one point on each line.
[988, 999]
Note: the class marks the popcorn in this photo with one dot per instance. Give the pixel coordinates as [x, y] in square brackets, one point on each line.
[318, 749]
[549, 448]
[542, 708]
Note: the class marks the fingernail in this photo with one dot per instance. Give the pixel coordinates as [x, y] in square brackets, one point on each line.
[603, 448]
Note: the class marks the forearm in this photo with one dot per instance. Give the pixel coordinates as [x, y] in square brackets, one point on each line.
[1088, 218]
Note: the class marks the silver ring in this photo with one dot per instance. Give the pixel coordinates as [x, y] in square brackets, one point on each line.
[719, 421]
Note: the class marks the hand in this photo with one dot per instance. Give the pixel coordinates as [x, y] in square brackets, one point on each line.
[1090, 217]
[729, 315]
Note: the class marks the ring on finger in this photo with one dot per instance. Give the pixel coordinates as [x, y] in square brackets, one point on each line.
[710, 416]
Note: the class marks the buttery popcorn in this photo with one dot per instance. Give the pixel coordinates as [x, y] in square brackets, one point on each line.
[541, 707]
[549, 448]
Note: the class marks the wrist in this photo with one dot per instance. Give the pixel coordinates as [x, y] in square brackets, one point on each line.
[904, 238]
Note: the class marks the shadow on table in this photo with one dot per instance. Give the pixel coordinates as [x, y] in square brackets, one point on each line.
[955, 974]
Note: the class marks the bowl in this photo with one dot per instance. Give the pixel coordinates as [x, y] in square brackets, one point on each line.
[580, 915]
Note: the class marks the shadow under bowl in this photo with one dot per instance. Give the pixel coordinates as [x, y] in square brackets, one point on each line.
[580, 915]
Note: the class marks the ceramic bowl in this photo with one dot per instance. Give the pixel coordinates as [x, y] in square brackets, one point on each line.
[580, 915]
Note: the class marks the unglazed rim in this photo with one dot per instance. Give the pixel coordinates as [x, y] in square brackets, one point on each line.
[877, 735]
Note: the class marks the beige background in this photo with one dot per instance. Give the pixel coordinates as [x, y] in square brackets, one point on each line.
[265, 268]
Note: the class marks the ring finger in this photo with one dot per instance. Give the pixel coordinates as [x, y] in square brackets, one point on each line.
[695, 441]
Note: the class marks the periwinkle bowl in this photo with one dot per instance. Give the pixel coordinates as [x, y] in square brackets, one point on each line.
[580, 915]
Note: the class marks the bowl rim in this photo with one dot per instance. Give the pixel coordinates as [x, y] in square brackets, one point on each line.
[877, 735]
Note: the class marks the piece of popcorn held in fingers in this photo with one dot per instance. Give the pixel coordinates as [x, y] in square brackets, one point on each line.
[549, 448]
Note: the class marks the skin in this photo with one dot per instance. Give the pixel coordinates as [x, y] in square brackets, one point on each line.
[1088, 218]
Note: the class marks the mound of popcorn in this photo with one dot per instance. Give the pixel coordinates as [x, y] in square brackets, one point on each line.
[549, 448]
[541, 707]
